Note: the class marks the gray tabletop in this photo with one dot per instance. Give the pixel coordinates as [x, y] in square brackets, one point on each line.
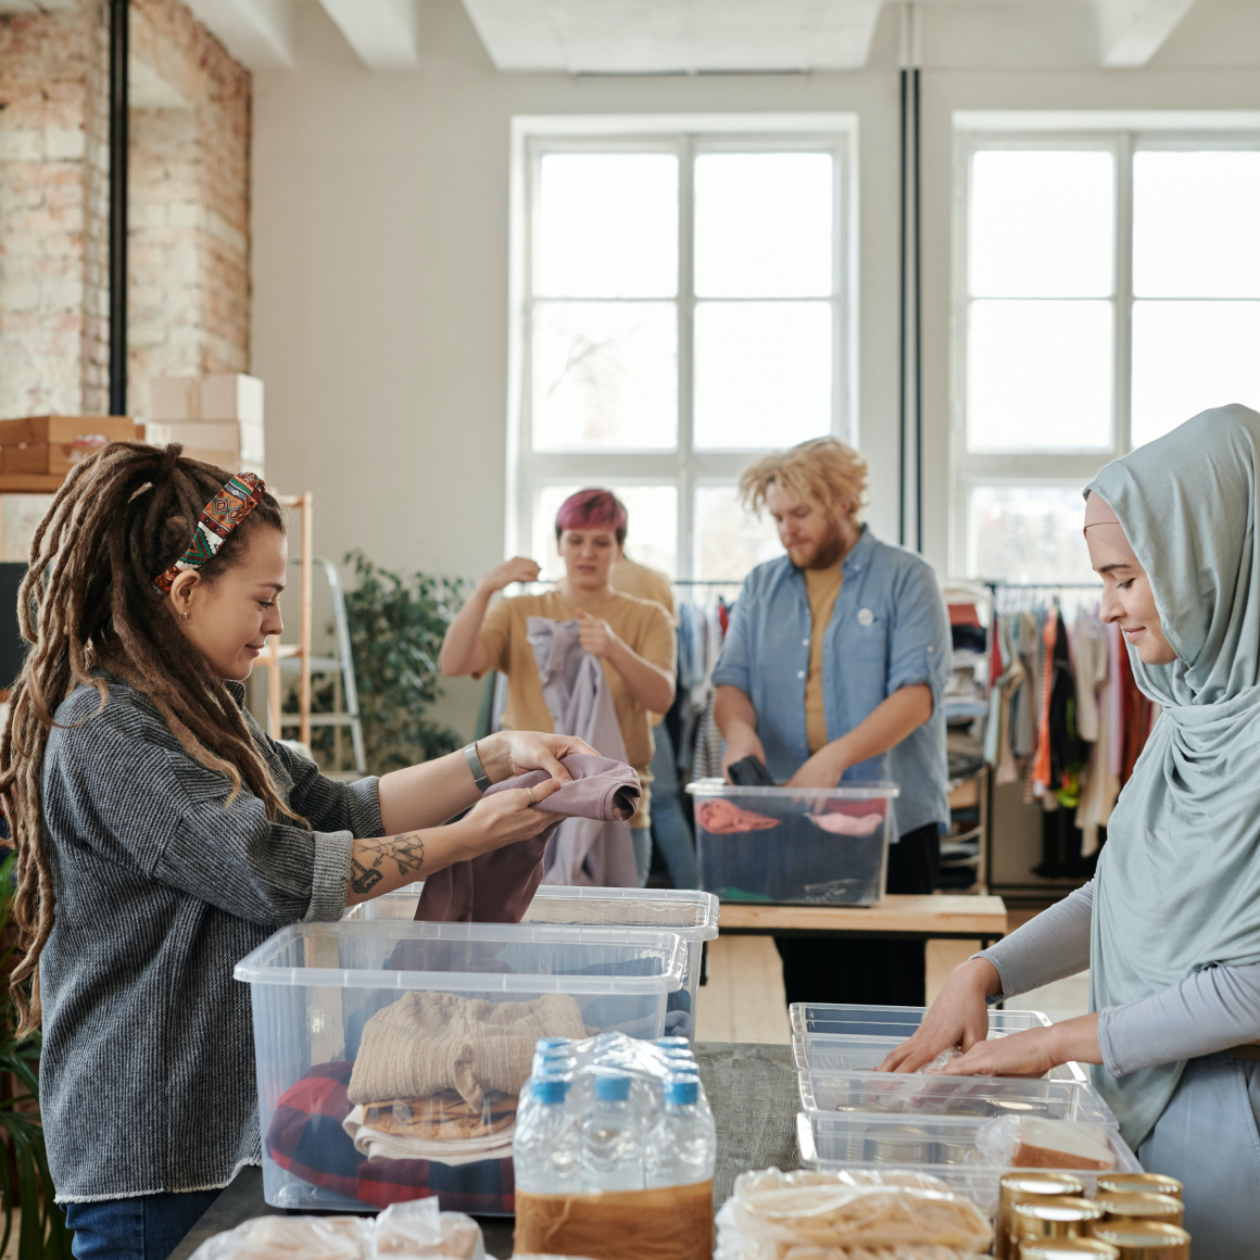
[751, 1088]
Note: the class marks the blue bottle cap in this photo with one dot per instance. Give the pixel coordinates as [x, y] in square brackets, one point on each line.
[550, 1043]
[669, 1043]
[683, 1090]
[612, 1087]
[550, 1089]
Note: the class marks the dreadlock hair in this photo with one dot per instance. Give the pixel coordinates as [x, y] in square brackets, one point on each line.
[88, 606]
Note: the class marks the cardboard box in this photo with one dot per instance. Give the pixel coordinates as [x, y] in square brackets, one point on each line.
[53, 445]
[244, 440]
[219, 396]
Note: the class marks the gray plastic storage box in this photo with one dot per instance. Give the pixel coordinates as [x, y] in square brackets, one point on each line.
[794, 846]
[315, 985]
[943, 1147]
[692, 915]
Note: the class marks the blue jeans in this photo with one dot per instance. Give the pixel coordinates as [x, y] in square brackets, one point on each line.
[146, 1227]
[669, 823]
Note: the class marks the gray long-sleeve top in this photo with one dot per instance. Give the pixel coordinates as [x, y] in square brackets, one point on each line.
[1213, 1009]
[147, 1079]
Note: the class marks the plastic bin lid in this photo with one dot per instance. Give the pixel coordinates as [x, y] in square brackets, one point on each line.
[846, 792]
[272, 962]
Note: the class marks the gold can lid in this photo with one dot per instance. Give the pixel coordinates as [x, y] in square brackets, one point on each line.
[1144, 1240]
[1063, 1208]
[1130, 1207]
[1139, 1183]
[1067, 1249]
[1047, 1183]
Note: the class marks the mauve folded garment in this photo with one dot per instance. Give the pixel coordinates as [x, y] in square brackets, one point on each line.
[498, 887]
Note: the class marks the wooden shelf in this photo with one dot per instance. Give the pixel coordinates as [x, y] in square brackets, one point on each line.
[960, 917]
[30, 483]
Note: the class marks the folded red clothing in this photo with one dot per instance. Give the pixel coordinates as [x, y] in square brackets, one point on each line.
[306, 1138]
[498, 887]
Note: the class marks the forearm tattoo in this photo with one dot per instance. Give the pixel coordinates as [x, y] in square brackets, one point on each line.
[406, 850]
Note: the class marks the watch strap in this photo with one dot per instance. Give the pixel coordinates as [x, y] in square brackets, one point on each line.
[480, 778]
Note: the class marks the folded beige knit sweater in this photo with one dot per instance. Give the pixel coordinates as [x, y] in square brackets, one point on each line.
[428, 1042]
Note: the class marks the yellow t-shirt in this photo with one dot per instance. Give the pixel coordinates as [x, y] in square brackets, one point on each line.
[632, 578]
[823, 586]
[642, 624]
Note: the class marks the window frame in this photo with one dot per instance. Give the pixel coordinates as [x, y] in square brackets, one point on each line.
[1124, 135]
[684, 466]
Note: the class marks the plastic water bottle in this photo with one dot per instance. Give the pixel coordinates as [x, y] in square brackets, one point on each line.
[682, 1147]
[546, 1149]
[612, 1137]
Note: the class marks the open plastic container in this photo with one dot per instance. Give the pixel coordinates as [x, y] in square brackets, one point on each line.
[797, 846]
[940, 1146]
[824, 1052]
[893, 1021]
[691, 915]
[976, 1097]
[315, 985]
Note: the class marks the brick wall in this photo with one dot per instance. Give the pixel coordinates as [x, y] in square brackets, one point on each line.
[188, 287]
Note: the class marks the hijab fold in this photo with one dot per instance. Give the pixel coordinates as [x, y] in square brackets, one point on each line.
[1178, 886]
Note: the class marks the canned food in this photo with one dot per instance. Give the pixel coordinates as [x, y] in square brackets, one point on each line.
[1018, 1107]
[1062, 1217]
[1141, 1207]
[955, 1152]
[1068, 1249]
[1138, 1183]
[1023, 1188]
[1144, 1240]
[903, 1146]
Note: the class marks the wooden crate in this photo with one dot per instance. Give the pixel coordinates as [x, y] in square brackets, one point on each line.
[244, 440]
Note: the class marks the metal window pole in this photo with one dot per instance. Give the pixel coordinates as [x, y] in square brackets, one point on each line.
[901, 317]
[119, 139]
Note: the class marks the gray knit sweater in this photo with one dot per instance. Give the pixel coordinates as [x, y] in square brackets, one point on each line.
[147, 1078]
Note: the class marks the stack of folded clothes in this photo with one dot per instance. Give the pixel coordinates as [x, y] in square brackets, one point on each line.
[437, 1076]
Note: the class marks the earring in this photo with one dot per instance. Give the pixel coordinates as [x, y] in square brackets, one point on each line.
[183, 616]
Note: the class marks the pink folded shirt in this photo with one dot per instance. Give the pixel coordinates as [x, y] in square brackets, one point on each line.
[498, 887]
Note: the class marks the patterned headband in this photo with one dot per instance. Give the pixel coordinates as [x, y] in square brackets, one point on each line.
[238, 498]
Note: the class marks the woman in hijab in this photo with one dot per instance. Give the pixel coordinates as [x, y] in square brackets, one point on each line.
[1170, 927]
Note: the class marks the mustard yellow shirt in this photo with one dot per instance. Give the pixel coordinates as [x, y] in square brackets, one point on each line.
[642, 624]
[823, 586]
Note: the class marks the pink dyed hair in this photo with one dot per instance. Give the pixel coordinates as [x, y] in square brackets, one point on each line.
[593, 509]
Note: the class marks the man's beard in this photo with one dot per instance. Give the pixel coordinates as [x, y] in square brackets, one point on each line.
[830, 549]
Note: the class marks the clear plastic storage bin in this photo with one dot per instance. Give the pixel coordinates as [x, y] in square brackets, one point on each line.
[825, 1052]
[943, 1147]
[977, 1097]
[893, 1021]
[315, 985]
[797, 846]
[692, 915]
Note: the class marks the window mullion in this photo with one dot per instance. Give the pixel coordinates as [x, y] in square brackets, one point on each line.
[1124, 294]
[686, 357]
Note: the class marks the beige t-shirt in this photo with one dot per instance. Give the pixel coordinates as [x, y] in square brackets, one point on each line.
[823, 586]
[632, 578]
[642, 624]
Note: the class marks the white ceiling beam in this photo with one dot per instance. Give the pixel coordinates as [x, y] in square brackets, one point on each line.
[384, 33]
[1131, 32]
[258, 33]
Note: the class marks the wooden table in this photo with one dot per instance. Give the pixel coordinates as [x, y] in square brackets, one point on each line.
[897, 917]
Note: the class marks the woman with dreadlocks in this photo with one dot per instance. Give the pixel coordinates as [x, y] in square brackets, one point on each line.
[161, 835]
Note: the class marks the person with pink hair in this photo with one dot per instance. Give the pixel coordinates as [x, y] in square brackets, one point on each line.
[632, 637]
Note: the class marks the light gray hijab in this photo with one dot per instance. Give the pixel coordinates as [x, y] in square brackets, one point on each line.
[1178, 886]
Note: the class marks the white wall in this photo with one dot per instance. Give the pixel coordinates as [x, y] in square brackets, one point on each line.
[380, 247]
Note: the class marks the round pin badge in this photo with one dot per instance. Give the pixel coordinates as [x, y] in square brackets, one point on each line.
[865, 617]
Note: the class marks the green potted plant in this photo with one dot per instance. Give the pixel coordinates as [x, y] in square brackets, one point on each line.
[42, 1234]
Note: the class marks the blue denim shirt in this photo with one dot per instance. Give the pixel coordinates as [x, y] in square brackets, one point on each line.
[889, 630]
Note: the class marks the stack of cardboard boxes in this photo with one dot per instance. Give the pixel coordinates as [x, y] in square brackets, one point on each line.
[216, 418]
[52, 445]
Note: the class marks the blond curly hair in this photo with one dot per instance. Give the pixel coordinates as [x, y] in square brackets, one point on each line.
[823, 472]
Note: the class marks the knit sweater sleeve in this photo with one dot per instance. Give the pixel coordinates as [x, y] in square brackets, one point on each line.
[154, 806]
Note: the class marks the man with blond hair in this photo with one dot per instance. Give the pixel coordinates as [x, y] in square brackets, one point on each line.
[833, 671]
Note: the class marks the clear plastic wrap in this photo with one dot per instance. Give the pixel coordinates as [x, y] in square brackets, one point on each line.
[810, 1215]
[1023, 1142]
[418, 1228]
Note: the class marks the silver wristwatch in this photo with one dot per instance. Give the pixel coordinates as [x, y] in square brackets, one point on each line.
[480, 778]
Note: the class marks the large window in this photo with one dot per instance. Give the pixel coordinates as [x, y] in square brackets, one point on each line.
[682, 303]
[1107, 288]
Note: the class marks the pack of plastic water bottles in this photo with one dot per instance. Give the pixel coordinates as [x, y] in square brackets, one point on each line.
[612, 1113]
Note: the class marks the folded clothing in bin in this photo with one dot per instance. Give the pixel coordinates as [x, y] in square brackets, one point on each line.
[306, 1138]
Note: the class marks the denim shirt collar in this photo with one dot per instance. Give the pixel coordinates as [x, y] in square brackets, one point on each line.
[853, 564]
